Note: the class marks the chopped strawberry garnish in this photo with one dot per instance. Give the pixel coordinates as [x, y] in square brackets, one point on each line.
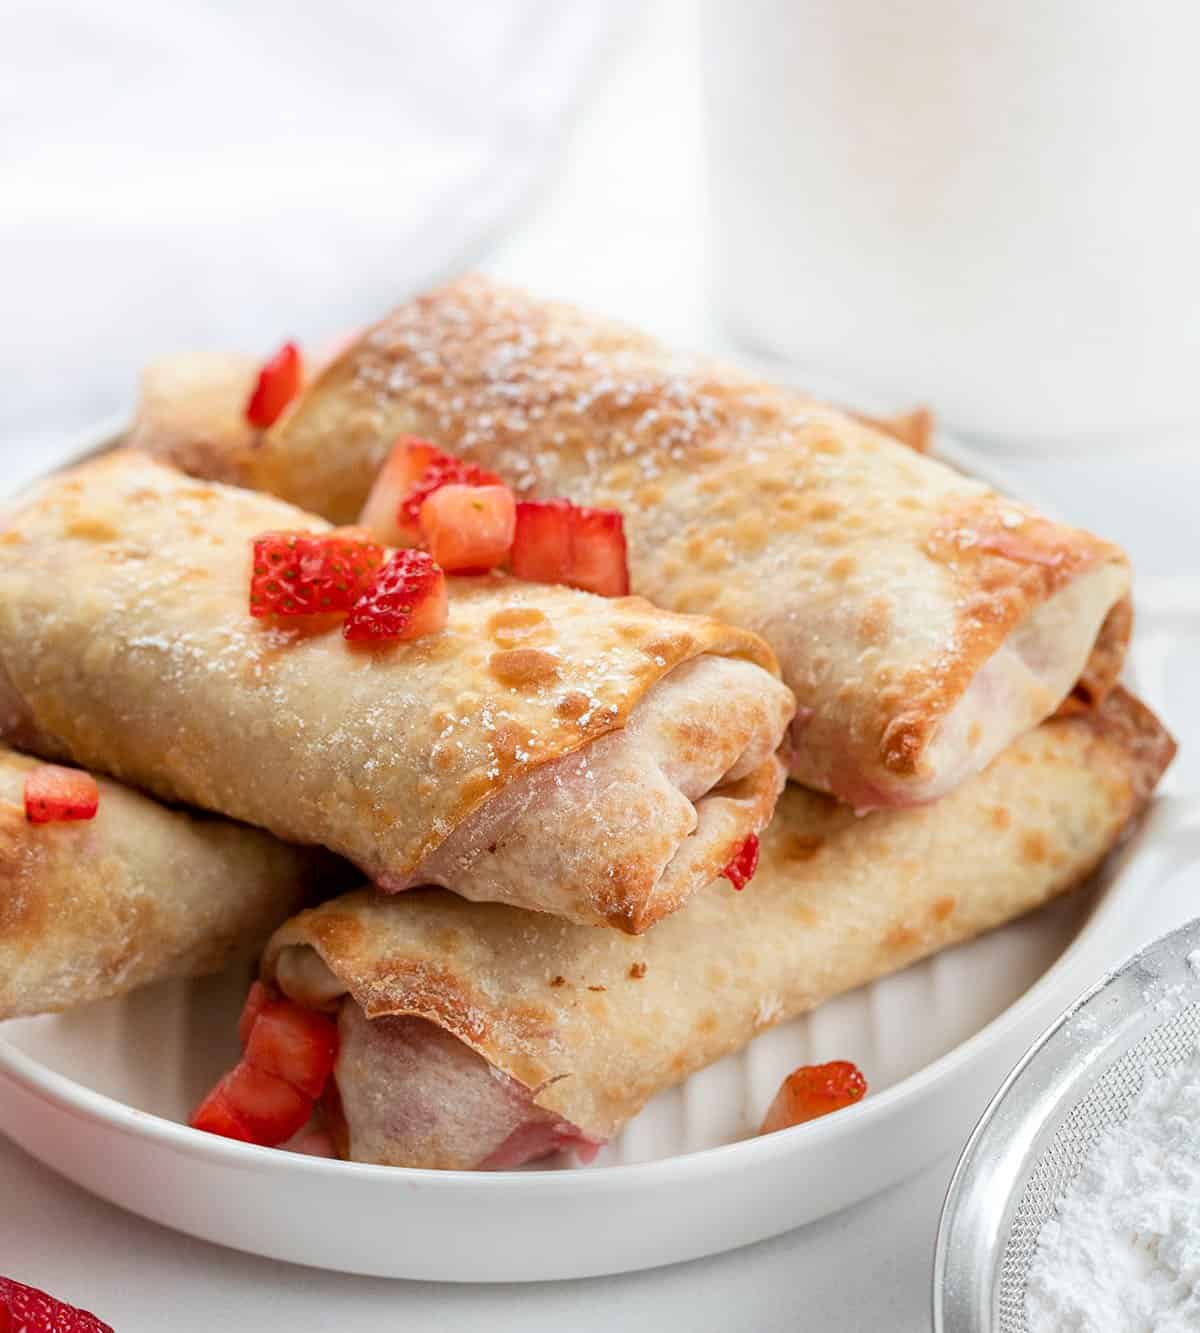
[812, 1091]
[559, 542]
[253, 1106]
[415, 469]
[743, 863]
[598, 552]
[542, 541]
[310, 573]
[406, 600]
[27, 1310]
[278, 383]
[469, 529]
[289, 1056]
[293, 1044]
[216, 1115]
[53, 793]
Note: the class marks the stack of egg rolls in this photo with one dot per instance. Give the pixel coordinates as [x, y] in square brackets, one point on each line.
[542, 797]
[481, 1036]
[922, 621]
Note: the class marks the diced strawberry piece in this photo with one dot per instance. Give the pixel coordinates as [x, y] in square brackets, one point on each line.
[469, 529]
[439, 470]
[256, 1106]
[812, 1091]
[559, 542]
[53, 793]
[381, 512]
[310, 573]
[599, 558]
[743, 863]
[26, 1309]
[278, 383]
[541, 551]
[215, 1115]
[294, 1044]
[406, 600]
[256, 1001]
[414, 470]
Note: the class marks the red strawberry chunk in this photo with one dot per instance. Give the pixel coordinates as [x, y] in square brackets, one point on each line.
[308, 573]
[599, 559]
[289, 1054]
[743, 863]
[216, 1115]
[256, 1001]
[294, 1044]
[559, 542]
[53, 793]
[469, 529]
[440, 470]
[254, 1106]
[541, 551]
[406, 600]
[278, 383]
[381, 512]
[812, 1091]
[415, 469]
[27, 1310]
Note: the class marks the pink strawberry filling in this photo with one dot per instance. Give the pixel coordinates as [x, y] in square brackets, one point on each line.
[414, 1095]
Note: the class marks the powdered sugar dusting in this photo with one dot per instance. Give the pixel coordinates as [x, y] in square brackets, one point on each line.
[1122, 1250]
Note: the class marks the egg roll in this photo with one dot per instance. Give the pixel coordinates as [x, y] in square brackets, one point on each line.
[922, 620]
[139, 893]
[590, 757]
[481, 1036]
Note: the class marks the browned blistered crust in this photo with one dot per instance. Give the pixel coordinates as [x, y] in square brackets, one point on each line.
[138, 894]
[1108, 657]
[126, 635]
[597, 1023]
[743, 500]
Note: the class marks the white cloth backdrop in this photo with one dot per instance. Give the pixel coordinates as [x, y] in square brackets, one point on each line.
[187, 175]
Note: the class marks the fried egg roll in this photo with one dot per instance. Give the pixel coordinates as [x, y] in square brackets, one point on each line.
[589, 757]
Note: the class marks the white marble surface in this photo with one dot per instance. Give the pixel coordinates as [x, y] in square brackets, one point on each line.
[621, 228]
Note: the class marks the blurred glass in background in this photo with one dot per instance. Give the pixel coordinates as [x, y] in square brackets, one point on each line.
[995, 207]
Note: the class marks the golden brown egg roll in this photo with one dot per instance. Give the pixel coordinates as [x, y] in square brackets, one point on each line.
[136, 894]
[585, 756]
[922, 620]
[480, 1035]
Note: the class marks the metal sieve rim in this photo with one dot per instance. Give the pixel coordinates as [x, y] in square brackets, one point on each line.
[1070, 1058]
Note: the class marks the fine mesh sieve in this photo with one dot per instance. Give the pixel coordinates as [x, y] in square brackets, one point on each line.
[1081, 1077]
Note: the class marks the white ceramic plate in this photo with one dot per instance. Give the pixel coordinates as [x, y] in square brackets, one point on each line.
[100, 1095]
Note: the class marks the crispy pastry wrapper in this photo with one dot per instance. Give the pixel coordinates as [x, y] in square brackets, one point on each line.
[593, 1024]
[922, 620]
[591, 757]
[137, 894]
